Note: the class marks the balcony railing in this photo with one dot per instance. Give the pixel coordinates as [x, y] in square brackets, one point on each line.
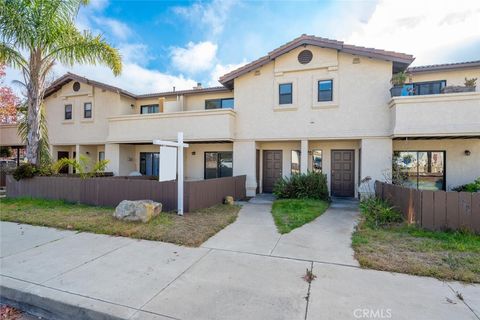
[202, 125]
[436, 115]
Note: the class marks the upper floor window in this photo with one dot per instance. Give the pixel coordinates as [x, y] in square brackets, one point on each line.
[87, 110]
[68, 112]
[219, 103]
[151, 108]
[325, 90]
[285, 93]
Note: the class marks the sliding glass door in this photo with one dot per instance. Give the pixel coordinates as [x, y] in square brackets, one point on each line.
[149, 162]
[423, 170]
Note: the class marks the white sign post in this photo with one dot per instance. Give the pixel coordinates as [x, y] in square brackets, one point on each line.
[171, 161]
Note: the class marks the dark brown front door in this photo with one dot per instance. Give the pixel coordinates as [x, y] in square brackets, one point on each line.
[257, 170]
[272, 168]
[63, 155]
[343, 172]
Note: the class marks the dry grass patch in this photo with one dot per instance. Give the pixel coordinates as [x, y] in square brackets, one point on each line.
[408, 249]
[192, 229]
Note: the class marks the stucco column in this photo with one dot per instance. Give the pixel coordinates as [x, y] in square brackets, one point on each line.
[304, 156]
[244, 163]
[112, 154]
[376, 162]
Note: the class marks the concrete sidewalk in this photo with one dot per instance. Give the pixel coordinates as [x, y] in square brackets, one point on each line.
[88, 276]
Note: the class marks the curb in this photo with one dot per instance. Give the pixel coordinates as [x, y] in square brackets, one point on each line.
[47, 308]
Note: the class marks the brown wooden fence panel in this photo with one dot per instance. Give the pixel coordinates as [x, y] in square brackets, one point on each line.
[434, 210]
[109, 191]
[428, 209]
[440, 209]
[452, 210]
[464, 210]
[476, 212]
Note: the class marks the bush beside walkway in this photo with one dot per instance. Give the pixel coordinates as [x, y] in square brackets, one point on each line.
[190, 230]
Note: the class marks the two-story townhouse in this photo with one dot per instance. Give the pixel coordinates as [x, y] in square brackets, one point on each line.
[311, 104]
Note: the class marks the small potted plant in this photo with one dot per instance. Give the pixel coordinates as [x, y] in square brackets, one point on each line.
[398, 80]
[469, 86]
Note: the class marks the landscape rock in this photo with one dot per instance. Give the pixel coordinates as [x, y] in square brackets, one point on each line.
[139, 210]
[229, 200]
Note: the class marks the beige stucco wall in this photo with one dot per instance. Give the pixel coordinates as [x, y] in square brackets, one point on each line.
[453, 77]
[9, 135]
[436, 115]
[80, 130]
[361, 95]
[460, 169]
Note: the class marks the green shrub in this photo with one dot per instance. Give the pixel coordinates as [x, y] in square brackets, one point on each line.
[469, 187]
[24, 171]
[311, 185]
[378, 212]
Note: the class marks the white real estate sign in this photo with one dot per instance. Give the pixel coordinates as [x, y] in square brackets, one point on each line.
[168, 163]
[168, 170]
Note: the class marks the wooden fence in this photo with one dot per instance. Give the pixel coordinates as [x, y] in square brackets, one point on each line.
[434, 210]
[109, 191]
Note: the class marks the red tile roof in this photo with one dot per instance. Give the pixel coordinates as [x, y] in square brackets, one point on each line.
[401, 60]
[445, 66]
[66, 78]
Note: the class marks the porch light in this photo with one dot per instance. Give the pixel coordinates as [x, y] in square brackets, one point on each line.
[467, 152]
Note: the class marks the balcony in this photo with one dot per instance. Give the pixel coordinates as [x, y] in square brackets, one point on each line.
[452, 114]
[203, 125]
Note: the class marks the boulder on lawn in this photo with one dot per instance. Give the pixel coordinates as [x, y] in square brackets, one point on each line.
[139, 210]
[229, 200]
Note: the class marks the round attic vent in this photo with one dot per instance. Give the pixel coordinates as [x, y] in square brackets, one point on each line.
[305, 56]
[76, 86]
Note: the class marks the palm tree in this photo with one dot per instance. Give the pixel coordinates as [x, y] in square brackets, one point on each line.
[35, 34]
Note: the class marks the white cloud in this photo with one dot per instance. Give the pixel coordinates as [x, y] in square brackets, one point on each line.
[213, 15]
[220, 70]
[429, 29]
[118, 29]
[195, 57]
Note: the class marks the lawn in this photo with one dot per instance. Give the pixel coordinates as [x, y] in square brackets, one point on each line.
[289, 214]
[409, 249]
[190, 230]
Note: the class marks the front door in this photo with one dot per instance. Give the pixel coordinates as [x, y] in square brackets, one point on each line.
[343, 173]
[272, 168]
[63, 155]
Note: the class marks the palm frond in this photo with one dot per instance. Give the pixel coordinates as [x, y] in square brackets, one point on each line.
[84, 47]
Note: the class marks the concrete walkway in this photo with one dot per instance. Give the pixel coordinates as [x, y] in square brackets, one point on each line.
[88, 276]
[326, 239]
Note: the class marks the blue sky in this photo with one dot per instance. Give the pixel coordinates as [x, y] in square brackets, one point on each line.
[179, 43]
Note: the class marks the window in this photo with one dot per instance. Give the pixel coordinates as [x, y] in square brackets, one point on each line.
[317, 161]
[285, 93]
[101, 156]
[218, 164]
[149, 162]
[431, 87]
[295, 163]
[68, 112]
[325, 90]
[87, 110]
[151, 108]
[219, 103]
[423, 170]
